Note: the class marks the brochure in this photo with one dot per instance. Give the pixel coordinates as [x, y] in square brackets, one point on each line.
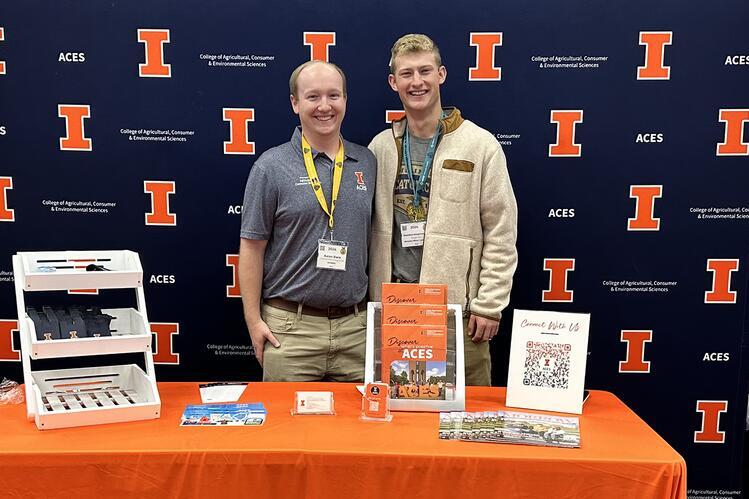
[224, 415]
[414, 361]
[413, 294]
[414, 315]
[509, 427]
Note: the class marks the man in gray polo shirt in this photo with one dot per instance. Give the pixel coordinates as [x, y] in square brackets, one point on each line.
[305, 231]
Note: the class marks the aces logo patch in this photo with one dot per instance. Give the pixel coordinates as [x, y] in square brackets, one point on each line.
[360, 185]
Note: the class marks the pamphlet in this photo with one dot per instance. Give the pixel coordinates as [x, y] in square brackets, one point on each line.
[414, 340]
[414, 361]
[547, 361]
[414, 315]
[509, 427]
[412, 294]
[224, 415]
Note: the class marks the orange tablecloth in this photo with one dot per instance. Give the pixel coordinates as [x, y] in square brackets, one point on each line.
[331, 456]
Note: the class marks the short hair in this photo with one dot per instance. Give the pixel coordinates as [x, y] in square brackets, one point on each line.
[412, 43]
[295, 75]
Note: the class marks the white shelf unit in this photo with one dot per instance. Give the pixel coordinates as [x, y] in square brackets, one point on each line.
[91, 395]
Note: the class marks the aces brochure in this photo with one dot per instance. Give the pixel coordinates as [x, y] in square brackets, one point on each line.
[414, 361]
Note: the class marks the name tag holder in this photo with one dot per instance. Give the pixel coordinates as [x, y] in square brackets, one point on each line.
[331, 254]
[412, 234]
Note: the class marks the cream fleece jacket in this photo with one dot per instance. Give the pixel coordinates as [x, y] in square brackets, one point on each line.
[472, 221]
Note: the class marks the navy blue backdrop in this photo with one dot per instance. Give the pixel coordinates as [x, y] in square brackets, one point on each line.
[133, 125]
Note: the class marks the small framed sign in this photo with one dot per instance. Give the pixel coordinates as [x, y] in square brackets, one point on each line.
[375, 405]
[548, 356]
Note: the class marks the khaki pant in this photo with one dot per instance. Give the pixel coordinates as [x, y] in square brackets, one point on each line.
[314, 348]
[477, 359]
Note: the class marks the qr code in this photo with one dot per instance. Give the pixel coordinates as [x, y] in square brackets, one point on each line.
[547, 364]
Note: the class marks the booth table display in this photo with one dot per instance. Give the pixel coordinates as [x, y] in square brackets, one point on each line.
[332, 456]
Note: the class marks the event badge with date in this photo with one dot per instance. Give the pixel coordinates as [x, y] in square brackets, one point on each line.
[331, 255]
[412, 234]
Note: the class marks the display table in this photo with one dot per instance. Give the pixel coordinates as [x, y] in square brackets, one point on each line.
[332, 456]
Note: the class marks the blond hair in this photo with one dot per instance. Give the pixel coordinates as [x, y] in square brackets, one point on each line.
[413, 43]
[295, 75]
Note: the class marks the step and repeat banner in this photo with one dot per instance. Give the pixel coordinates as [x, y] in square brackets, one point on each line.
[134, 125]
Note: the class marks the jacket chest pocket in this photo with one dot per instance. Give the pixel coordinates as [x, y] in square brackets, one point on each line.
[456, 180]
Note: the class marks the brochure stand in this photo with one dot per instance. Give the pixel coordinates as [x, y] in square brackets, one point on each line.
[454, 385]
[93, 395]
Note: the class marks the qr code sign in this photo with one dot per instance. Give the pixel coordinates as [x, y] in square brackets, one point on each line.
[547, 364]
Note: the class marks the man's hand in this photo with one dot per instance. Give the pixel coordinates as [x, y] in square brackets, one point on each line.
[260, 333]
[480, 328]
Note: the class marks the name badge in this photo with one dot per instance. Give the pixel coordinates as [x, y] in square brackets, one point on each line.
[412, 234]
[331, 255]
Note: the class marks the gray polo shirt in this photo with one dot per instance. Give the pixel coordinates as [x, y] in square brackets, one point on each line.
[280, 207]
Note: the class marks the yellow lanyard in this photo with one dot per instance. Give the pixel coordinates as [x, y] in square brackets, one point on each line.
[315, 180]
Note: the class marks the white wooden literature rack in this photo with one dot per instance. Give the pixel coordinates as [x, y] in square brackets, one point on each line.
[87, 395]
[455, 393]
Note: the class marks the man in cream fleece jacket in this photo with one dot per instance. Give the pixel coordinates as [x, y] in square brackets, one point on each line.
[444, 210]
